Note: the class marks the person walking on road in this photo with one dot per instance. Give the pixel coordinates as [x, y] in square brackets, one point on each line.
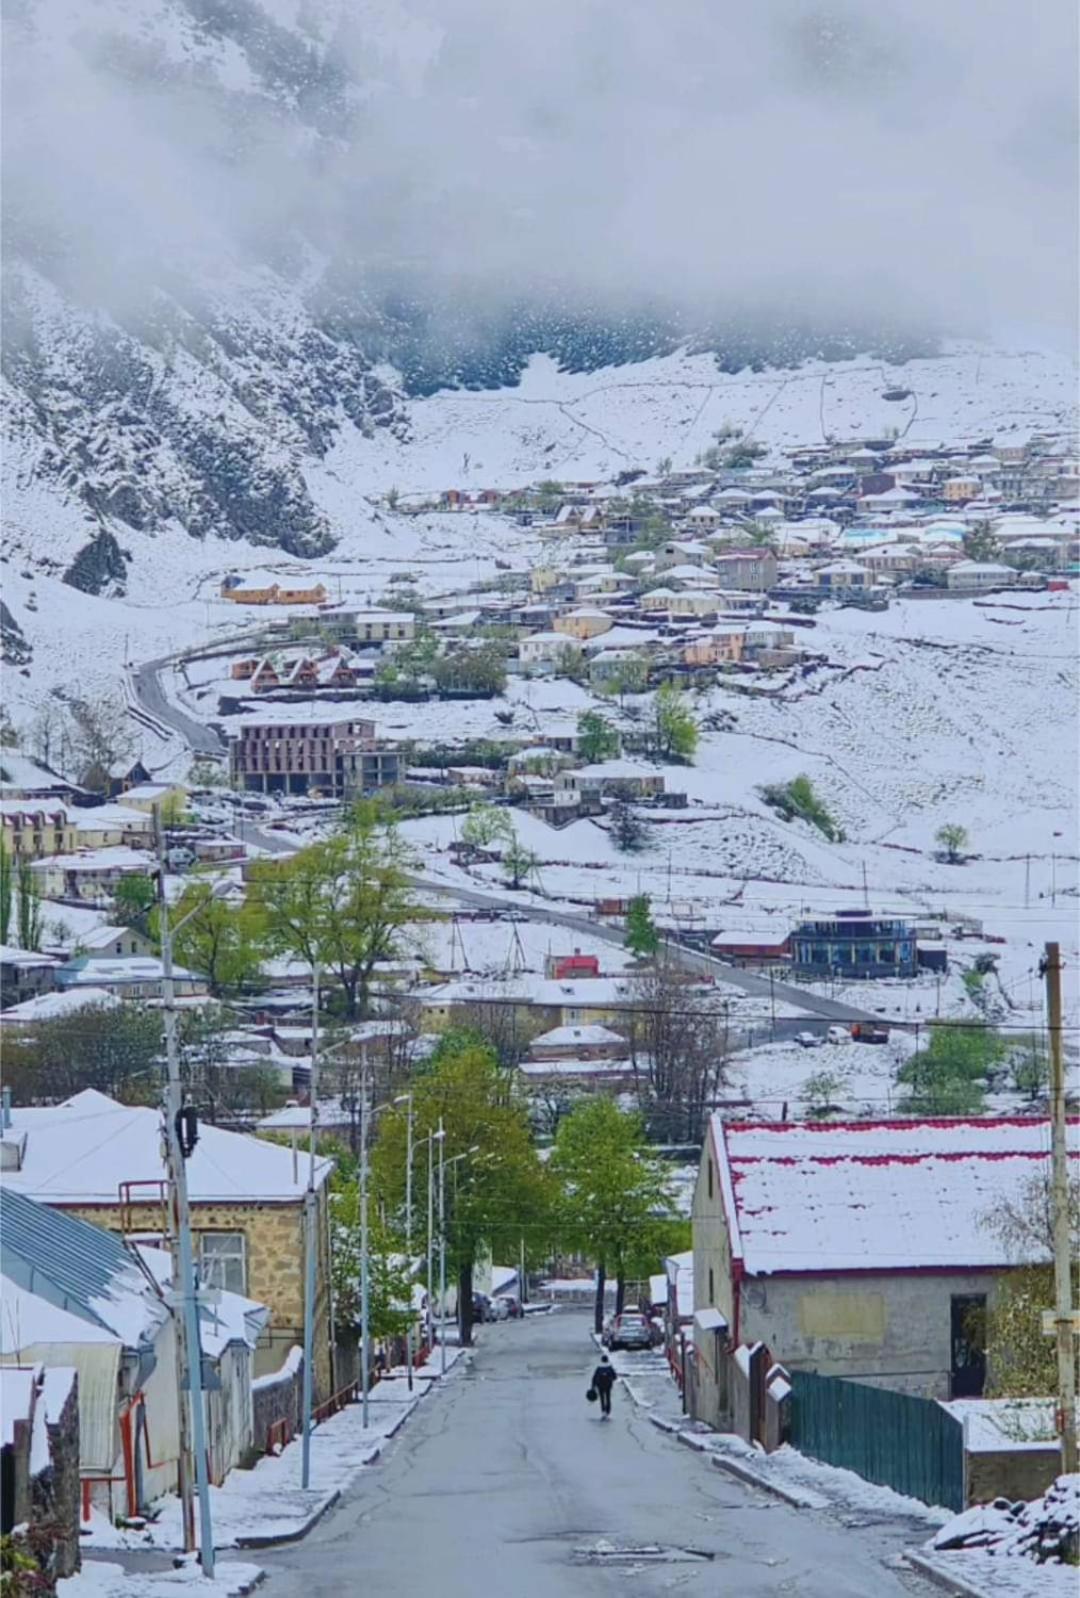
[603, 1379]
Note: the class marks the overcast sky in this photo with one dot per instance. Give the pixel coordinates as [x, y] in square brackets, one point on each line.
[916, 160]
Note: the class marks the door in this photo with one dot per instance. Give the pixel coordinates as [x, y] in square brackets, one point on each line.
[968, 1373]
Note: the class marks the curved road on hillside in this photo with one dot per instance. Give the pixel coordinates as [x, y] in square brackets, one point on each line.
[818, 1011]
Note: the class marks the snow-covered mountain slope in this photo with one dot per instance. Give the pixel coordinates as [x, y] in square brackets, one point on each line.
[245, 238]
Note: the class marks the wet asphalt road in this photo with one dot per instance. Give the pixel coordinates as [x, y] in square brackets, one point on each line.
[508, 1483]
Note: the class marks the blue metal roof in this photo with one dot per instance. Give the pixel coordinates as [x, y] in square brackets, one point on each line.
[61, 1259]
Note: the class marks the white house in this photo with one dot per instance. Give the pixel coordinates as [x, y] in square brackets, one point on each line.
[543, 649]
[977, 576]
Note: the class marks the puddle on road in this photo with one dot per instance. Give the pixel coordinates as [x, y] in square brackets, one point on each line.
[604, 1552]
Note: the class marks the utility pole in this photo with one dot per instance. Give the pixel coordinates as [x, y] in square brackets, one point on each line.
[310, 1234]
[189, 1394]
[365, 1278]
[430, 1226]
[408, 1232]
[442, 1249]
[1064, 1324]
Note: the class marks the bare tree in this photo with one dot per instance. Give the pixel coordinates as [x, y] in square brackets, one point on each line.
[101, 738]
[678, 1045]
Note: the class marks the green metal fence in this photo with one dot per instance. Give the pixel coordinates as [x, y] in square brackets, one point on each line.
[909, 1444]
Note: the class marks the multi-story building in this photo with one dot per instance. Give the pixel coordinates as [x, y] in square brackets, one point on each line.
[854, 943]
[752, 569]
[299, 757]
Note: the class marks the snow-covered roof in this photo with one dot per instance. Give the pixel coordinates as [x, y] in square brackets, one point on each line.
[16, 1400]
[112, 818]
[87, 971]
[878, 1196]
[27, 958]
[77, 1271]
[79, 1151]
[119, 858]
[567, 1036]
[48, 1006]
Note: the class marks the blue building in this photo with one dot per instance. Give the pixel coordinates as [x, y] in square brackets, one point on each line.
[854, 943]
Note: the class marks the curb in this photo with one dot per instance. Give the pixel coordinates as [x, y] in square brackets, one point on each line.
[948, 1583]
[790, 1496]
[248, 1586]
[278, 1539]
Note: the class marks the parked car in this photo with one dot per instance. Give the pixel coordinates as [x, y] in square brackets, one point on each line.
[513, 1305]
[809, 1040]
[498, 1309]
[628, 1330]
[838, 1034]
[481, 1307]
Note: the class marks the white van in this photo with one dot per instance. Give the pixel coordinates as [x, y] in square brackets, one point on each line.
[838, 1034]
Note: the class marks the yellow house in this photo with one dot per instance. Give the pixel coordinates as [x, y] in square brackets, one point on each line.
[723, 645]
[247, 1205]
[274, 595]
[583, 624]
[32, 828]
[168, 797]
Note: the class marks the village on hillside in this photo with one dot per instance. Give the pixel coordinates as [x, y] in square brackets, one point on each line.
[659, 835]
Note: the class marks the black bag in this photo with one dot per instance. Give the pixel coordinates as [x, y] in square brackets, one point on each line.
[591, 1395]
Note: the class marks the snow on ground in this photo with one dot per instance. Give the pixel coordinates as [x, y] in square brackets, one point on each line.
[268, 1501]
[981, 1573]
[100, 1578]
[774, 1078]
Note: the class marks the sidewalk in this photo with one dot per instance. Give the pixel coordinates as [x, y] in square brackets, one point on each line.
[98, 1579]
[807, 1484]
[264, 1506]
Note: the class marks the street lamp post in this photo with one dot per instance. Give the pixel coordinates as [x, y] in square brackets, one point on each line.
[310, 1239]
[407, 1098]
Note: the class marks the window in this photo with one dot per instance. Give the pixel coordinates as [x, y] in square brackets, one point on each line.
[709, 1167]
[712, 1287]
[223, 1260]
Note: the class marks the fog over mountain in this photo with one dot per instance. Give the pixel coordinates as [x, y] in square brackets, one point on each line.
[222, 217]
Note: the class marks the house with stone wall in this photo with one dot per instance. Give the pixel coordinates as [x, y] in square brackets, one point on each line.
[102, 1161]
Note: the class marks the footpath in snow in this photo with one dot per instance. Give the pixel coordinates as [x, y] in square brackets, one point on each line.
[99, 1578]
[266, 1505]
[808, 1484]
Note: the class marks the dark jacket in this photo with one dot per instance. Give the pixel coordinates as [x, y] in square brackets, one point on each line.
[603, 1378]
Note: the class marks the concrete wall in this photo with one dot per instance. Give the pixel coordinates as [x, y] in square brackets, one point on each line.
[278, 1397]
[892, 1331]
[1011, 1473]
[709, 1394]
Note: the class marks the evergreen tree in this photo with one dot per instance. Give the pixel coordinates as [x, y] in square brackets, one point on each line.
[628, 831]
[5, 892]
[28, 899]
[642, 938]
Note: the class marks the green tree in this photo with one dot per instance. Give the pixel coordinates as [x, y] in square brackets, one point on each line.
[116, 1049]
[344, 902]
[133, 900]
[1021, 1361]
[675, 729]
[1029, 1066]
[616, 1204]
[519, 862]
[499, 1194]
[798, 800]
[629, 676]
[463, 669]
[819, 1094]
[226, 943]
[6, 896]
[953, 838]
[486, 825]
[28, 906]
[389, 1272]
[948, 1076]
[642, 938]
[981, 542]
[597, 738]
